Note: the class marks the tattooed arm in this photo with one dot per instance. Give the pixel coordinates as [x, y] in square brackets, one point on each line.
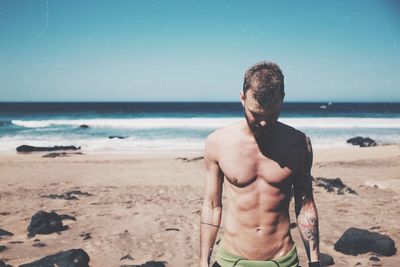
[211, 210]
[306, 211]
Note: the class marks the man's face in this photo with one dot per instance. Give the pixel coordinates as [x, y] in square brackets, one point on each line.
[259, 119]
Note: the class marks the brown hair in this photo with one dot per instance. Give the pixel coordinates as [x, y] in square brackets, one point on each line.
[266, 81]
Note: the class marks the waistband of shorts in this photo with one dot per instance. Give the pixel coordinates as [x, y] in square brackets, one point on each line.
[228, 259]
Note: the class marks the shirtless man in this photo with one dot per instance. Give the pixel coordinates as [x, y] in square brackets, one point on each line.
[261, 163]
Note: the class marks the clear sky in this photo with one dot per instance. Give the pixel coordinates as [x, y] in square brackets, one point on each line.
[187, 50]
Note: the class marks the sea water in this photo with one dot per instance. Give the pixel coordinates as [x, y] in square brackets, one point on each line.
[153, 126]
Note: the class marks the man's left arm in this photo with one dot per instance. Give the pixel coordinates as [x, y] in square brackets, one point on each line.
[306, 211]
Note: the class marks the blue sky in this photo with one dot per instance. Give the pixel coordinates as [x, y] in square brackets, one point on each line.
[197, 50]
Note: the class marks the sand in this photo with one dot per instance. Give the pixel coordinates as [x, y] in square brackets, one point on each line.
[148, 205]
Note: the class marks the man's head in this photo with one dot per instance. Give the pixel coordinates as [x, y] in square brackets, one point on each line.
[262, 95]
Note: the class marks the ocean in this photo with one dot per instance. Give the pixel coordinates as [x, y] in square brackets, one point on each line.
[162, 126]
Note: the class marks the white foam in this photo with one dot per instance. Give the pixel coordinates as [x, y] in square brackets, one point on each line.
[342, 122]
[148, 123]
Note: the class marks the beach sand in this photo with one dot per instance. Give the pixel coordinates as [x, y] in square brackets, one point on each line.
[148, 205]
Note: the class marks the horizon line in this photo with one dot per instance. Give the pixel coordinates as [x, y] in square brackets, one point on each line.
[183, 101]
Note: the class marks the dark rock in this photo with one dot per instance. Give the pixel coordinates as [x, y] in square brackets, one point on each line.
[374, 258]
[126, 257]
[148, 264]
[356, 241]
[70, 195]
[38, 245]
[361, 141]
[333, 185]
[46, 223]
[5, 213]
[86, 236]
[30, 235]
[368, 142]
[326, 260]
[70, 258]
[195, 159]
[84, 126]
[172, 229]
[355, 140]
[55, 154]
[60, 154]
[26, 148]
[2, 248]
[5, 233]
[117, 137]
[190, 160]
[3, 264]
[16, 242]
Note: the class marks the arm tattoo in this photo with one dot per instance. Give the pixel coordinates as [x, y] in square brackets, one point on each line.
[308, 223]
[306, 212]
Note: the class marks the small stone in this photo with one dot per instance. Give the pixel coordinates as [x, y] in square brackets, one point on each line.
[151, 264]
[86, 236]
[16, 242]
[39, 245]
[126, 257]
[374, 258]
[172, 229]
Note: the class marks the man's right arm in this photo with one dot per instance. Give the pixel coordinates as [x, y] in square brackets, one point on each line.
[211, 210]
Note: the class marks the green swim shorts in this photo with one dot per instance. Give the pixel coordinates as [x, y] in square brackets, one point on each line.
[226, 259]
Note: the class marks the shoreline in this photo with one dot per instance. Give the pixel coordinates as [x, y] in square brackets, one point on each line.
[319, 153]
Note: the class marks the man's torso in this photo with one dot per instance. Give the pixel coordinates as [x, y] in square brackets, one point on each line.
[258, 191]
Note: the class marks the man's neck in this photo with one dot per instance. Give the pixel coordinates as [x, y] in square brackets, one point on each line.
[246, 129]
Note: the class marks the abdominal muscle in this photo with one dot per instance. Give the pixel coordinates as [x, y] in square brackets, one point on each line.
[257, 228]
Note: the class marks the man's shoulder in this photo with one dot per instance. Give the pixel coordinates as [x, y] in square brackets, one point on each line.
[222, 133]
[220, 137]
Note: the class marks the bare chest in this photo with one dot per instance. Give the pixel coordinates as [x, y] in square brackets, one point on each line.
[244, 167]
